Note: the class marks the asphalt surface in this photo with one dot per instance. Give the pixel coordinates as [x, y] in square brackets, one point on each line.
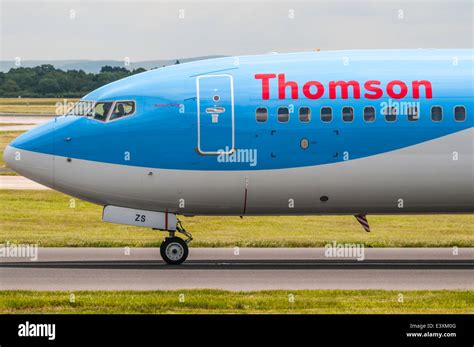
[22, 121]
[19, 183]
[245, 269]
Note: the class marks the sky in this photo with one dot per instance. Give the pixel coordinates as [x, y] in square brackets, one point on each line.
[150, 30]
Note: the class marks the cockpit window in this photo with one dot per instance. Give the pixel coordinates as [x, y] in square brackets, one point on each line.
[101, 110]
[82, 108]
[122, 109]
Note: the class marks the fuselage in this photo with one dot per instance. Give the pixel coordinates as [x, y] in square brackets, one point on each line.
[344, 132]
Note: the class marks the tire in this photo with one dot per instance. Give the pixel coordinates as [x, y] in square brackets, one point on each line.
[174, 250]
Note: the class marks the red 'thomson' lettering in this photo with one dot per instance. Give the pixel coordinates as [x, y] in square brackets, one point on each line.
[371, 89]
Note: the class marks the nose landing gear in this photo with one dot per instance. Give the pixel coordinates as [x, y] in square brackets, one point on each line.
[174, 250]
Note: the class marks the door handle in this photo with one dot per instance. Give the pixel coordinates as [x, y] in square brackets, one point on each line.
[215, 110]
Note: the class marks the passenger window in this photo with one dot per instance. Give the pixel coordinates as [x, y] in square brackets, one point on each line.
[390, 113]
[305, 114]
[326, 114]
[122, 109]
[347, 114]
[436, 113]
[460, 113]
[261, 114]
[283, 114]
[101, 110]
[369, 114]
[412, 113]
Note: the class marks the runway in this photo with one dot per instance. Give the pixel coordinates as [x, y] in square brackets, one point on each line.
[242, 269]
[20, 183]
[22, 122]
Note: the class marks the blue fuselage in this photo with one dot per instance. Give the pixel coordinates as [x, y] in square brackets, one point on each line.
[163, 132]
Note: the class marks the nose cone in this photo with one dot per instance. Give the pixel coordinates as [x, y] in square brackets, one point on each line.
[9, 157]
[31, 154]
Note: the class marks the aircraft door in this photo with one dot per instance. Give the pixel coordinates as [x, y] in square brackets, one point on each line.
[215, 114]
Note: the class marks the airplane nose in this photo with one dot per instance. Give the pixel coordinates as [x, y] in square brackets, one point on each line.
[9, 157]
[38, 167]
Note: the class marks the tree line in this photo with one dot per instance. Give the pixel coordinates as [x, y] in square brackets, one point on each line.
[46, 81]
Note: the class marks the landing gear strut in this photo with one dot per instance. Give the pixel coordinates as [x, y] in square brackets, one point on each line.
[174, 250]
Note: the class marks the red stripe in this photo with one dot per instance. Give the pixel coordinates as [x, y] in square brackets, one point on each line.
[362, 219]
[245, 202]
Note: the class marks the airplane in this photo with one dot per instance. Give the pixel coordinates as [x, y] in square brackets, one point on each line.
[353, 132]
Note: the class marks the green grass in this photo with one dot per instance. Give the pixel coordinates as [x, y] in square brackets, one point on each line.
[8, 173]
[219, 301]
[13, 124]
[5, 138]
[47, 218]
[40, 106]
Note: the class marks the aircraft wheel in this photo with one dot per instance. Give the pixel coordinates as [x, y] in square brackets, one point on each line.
[174, 250]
